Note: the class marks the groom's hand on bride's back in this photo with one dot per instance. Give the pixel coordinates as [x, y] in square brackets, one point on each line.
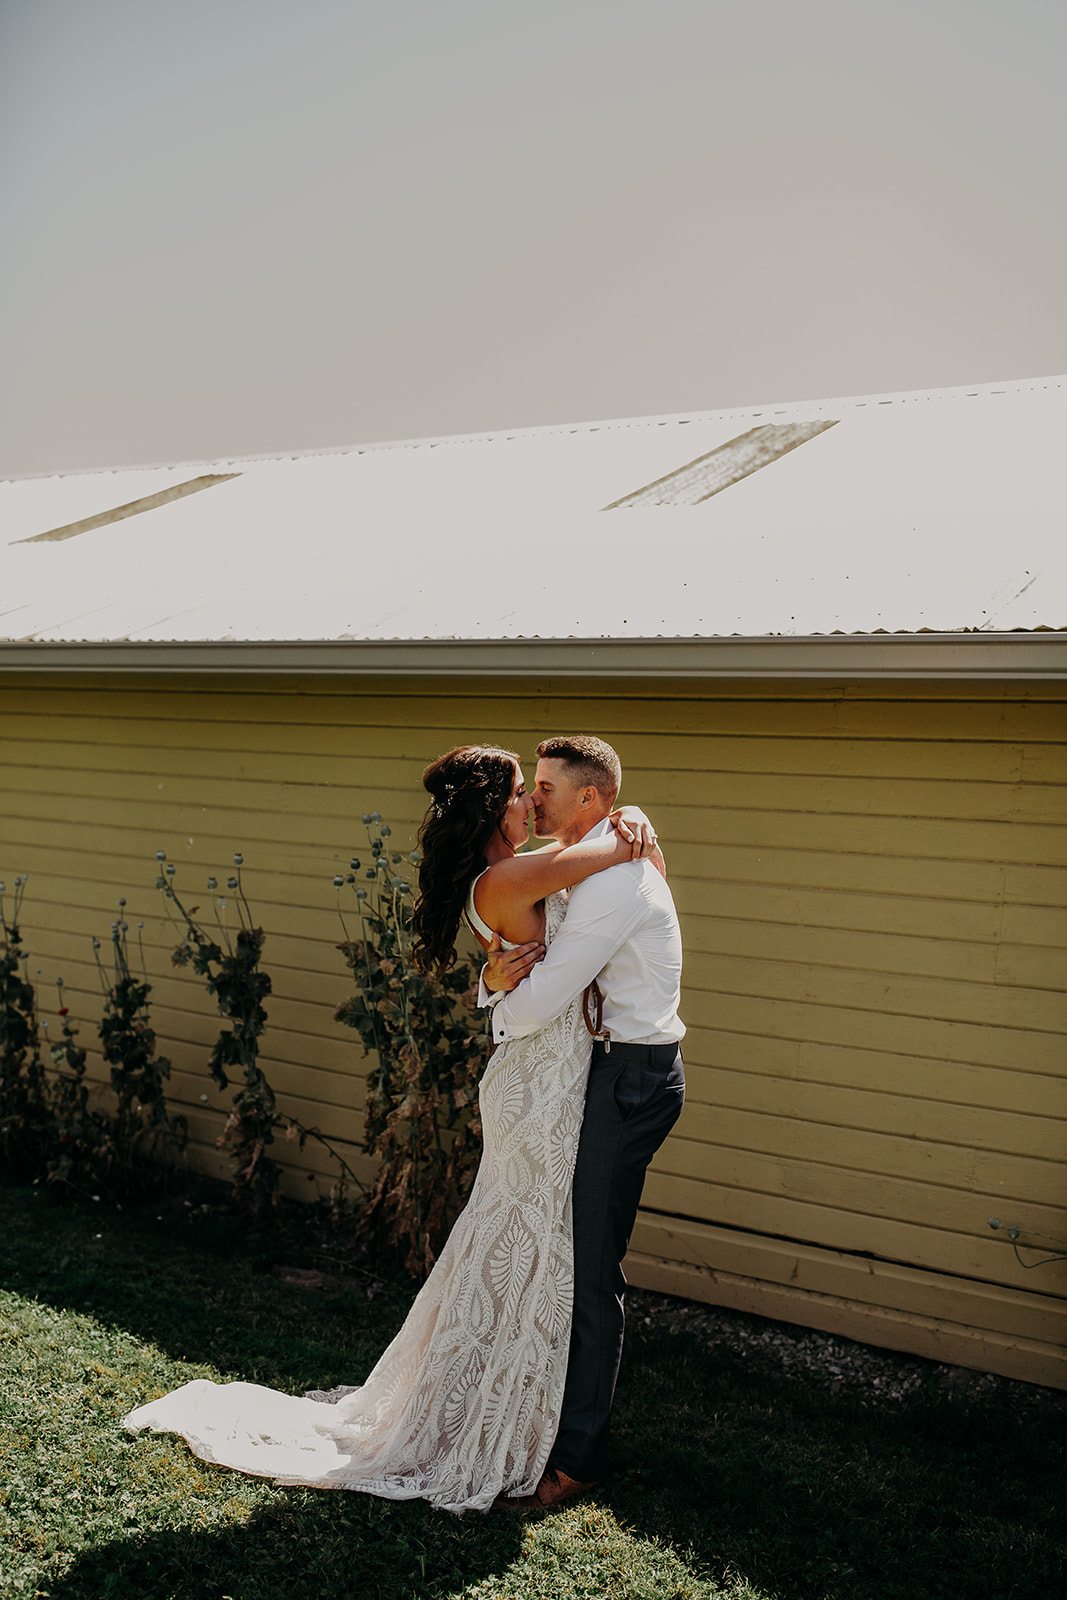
[504, 970]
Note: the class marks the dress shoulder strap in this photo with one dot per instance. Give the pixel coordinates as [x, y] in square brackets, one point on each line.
[476, 923]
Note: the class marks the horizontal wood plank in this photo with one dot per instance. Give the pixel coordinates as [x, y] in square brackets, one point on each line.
[959, 1243]
[1021, 1311]
[937, 1339]
[871, 880]
[711, 1091]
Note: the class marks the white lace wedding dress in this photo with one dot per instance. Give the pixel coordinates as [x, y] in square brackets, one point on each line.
[465, 1402]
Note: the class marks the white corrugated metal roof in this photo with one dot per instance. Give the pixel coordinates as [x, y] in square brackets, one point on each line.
[940, 510]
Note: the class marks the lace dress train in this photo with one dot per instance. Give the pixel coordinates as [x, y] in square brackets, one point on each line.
[464, 1404]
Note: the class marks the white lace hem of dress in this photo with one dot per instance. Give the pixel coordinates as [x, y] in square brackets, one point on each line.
[464, 1404]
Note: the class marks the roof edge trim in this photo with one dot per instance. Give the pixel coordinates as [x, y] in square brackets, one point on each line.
[1023, 655]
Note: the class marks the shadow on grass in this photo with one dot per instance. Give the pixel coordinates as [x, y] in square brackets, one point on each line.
[811, 1496]
[200, 1291]
[746, 1474]
[304, 1546]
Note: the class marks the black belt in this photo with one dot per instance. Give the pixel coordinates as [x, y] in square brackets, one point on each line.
[651, 1055]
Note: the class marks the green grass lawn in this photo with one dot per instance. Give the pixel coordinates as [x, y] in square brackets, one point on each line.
[726, 1482]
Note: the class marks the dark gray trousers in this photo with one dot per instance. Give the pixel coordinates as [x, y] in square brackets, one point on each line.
[634, 1098]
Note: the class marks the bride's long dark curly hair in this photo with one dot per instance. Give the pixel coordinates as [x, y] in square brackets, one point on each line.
[470, 789]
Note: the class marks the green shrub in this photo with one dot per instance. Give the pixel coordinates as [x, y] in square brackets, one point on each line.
[232, 974]
[24, 1112]
[81, 1135]
[146, 1136]
[431, 1047]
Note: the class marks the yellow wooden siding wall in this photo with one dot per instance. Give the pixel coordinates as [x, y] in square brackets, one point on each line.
[871, 881]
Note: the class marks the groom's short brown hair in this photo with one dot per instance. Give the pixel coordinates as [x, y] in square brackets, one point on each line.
[589, 760]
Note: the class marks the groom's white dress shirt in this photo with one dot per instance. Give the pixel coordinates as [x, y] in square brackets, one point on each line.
[621, 928]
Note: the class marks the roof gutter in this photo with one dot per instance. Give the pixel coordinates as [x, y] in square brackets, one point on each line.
[960, 656]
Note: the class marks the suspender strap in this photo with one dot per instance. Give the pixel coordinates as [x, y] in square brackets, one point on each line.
[593, 1013]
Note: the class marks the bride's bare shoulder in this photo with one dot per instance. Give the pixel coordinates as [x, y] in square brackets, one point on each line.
[504, 880]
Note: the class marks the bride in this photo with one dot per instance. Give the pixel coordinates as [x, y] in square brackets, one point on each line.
[463, 1405]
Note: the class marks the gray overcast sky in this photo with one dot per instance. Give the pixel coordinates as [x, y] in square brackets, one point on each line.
[250, 225]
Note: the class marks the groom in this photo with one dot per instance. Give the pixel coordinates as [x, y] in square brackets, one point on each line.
[621, 928]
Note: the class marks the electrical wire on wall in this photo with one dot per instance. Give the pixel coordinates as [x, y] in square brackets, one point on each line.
[1013, 1234]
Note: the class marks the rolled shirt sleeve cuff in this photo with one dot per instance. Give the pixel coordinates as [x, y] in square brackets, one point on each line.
[489, 999]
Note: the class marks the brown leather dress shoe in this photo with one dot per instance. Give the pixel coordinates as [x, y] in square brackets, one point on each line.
[555, 1488]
